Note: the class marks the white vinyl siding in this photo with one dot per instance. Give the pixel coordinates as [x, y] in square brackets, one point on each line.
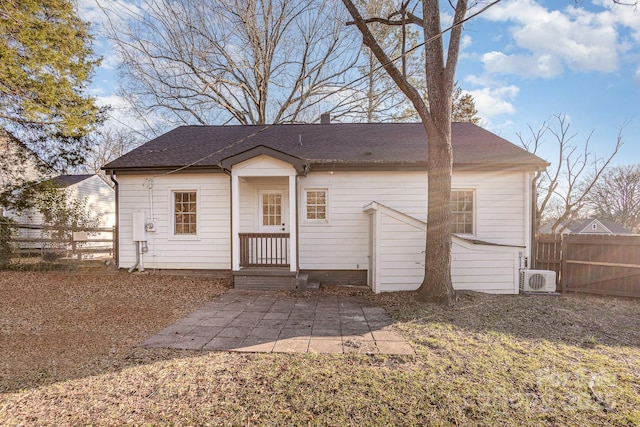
[398, 247]
[250, 203]
[500, 215]
[211, 249]
[344, 244]
[500, 210]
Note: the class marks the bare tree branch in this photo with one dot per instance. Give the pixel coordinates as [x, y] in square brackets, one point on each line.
[247, 61]
[563, 188]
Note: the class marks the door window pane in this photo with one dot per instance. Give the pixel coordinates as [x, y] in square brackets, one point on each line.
[271, 209]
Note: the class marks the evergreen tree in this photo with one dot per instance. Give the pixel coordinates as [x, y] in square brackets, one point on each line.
[47, 61]
[464, 107]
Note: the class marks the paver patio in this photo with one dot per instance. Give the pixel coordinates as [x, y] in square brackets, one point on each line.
[266, 322]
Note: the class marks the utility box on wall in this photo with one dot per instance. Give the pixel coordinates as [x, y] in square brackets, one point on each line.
[139, 222]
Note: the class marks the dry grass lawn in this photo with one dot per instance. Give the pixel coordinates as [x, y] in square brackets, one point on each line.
[68, 357]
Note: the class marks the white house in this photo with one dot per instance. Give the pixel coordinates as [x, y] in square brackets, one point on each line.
[588, 226]
[334, 203]
[19, 164]
[99, 196]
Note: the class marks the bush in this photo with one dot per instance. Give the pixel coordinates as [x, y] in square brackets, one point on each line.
[6, 249]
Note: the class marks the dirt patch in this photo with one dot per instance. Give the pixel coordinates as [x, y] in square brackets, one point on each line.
[55, 326]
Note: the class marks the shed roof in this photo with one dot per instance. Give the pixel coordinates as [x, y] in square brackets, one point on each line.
[339, 145]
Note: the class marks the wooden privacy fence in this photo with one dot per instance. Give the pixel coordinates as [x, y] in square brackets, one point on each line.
[548, 254]
[56, 242]
[591, 263]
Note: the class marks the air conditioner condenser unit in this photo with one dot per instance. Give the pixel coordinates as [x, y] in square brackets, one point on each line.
[537, 281]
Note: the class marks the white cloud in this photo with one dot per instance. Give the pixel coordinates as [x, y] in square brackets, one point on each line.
[625, 16]
[465, 41]
[120, 114]
[545, 65]
[636, 76]
[491, 102]
[548, 41]
[107, 16]
[102, 13]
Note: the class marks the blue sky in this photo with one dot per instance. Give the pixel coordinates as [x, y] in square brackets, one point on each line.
[523, 61]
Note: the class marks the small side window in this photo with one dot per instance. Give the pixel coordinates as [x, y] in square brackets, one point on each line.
[185, 213]
[316, 205]
[462, 211]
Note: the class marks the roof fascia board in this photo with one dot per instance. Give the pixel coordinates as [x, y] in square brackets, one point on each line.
[300, 165]
[165, 171]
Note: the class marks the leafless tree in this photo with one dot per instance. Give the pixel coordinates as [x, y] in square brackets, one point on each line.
[563, 188]
[616, 196]
[242, 61]
[439, 69]
[107, 144]
[381, 100]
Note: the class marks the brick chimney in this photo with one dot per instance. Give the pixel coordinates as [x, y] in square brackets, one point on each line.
[325, 118]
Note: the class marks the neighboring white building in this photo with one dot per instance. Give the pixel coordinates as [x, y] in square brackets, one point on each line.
[100, 197]
[341, 203]
[18, 164]
[588, 226]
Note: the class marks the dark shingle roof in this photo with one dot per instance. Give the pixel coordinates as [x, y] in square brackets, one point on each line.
[339, 144]
[64, 181]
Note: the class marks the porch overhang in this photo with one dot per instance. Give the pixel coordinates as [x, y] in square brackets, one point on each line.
[300, 165]
[252, 244]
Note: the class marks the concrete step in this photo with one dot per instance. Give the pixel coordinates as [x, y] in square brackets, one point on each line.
[272, 280]
[265, 279]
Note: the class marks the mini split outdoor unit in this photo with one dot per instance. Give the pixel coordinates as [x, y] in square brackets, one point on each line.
[537, 281]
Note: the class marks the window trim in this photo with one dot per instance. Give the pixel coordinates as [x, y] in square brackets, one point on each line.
[474, 210]
[172, 214]
[316, 221]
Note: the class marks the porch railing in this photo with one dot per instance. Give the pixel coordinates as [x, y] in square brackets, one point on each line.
[264, 249]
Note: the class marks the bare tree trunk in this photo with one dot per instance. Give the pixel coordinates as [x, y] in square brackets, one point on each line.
[436, 119]
[436, 286]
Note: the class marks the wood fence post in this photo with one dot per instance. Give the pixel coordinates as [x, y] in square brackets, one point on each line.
[563, 265]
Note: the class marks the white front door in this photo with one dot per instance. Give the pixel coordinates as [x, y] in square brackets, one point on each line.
[273, 205]
[272, 210]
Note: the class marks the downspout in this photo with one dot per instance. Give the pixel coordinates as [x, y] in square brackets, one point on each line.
[228, 172]
[534, 222]
[305, 170]
[297, 213]
[116, 230]
[133, 267]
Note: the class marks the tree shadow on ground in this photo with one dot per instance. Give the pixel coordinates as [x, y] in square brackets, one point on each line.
[571, 319]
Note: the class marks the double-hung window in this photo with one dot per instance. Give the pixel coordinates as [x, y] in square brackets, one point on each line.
[185, 216]
[462, 211]
[316, 205]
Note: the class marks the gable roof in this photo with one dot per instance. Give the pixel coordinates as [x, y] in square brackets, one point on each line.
[325, 146]
[582, 226]
[64, 181]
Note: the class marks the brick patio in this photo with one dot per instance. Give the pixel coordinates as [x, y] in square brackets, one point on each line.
[265, 322]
